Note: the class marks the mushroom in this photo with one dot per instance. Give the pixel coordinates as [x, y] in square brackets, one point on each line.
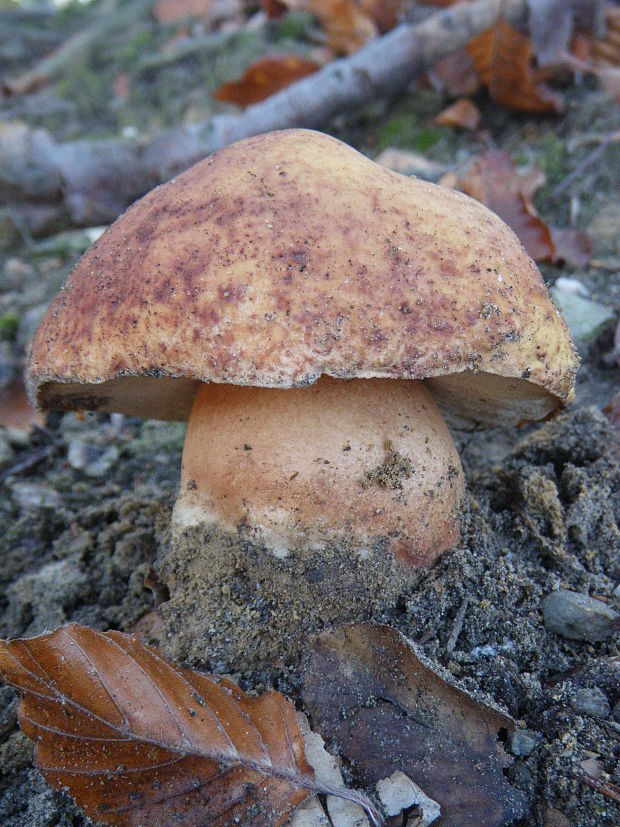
[309, 308]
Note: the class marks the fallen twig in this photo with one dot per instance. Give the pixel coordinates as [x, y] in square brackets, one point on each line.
[84, 183]
[606, 788]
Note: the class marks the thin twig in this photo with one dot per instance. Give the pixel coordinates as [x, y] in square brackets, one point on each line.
[456, 627]
[606, 788]
[27, 464]
[590, 159]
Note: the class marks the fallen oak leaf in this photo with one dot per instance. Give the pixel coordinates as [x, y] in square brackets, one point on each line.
[265, 77]
[368, 691]
[137, 740]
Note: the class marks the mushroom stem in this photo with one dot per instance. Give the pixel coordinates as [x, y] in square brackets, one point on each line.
[368, 461]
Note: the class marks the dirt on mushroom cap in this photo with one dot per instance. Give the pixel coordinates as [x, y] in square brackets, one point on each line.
[284, 257]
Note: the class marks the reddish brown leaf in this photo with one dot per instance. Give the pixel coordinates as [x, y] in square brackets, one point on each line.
[456, 74]
[462, 114]
[264, 78]
[571, 246]
[367, 691]
[137, 740]
[503, 58]
[492, 179]
[273, 8]
[383, 12]
[167, 11]
[345, 25]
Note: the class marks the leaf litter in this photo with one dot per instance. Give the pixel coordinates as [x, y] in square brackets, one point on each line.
[369, 691]
[137, 740]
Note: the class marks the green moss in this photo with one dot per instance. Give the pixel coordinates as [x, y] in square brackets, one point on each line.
[552, 157]
[399, 131]
[426, 138]
[296, 25]
[8, 327]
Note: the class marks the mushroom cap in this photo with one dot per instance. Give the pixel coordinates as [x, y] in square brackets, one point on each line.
[290, 255]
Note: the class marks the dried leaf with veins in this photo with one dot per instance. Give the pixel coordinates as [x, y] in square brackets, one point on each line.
[368, 691]
[139, 741]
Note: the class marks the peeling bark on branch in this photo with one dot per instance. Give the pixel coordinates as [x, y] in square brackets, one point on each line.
[50, 185]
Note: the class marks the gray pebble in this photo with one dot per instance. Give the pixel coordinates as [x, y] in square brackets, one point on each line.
[578, 617]
[523, 741]
[591, 701]
[35, 495]
[91, 459]
[585, 318]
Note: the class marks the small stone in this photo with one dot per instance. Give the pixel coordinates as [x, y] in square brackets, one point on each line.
[410, 163]
[570, 285]
[578, 617]
[585, 318]
[555, 818]
[523, 742]
[399, 793]
[591, 701]
[91, 459]
[15, 272]
[35, 495]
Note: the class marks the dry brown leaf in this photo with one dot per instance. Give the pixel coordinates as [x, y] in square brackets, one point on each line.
[456, 74]
[503, 58]
[383, 12]
[571, 246]
[137, 740]
[265, 77]
[273, 8]
[347, 28]
[211, 12]
[367, 690]
[462, 114]
[493, 179]
[167, 11]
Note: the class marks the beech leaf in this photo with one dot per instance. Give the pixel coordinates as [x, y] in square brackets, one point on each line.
[369, 692]
[139, 741]
[265, 77]
[504, 61]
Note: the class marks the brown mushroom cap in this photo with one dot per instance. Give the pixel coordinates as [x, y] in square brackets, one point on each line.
[290, 255]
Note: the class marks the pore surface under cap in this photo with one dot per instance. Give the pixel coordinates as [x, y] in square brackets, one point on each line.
[287, 256]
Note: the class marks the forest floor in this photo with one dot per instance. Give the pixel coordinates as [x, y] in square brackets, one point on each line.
[85, 501]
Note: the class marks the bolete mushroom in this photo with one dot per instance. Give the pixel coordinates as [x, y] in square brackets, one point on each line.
[307, 306]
